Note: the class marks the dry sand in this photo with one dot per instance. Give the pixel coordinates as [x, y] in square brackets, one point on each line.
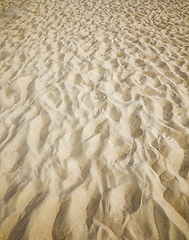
[94, 120]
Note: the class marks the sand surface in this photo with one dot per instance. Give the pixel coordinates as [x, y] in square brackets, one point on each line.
[94, 120]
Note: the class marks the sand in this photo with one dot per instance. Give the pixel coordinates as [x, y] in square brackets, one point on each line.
[94, 120]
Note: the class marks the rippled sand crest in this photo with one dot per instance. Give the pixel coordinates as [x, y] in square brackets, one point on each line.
[94, 120]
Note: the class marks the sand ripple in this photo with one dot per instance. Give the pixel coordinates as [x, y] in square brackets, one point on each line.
[94, 120]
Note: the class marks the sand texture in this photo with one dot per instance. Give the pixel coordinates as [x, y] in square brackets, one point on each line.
[94, 120]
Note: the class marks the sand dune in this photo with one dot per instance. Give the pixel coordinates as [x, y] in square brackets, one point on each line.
[94, 120]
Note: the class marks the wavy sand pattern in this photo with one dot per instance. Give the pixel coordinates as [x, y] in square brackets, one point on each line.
[94, 120]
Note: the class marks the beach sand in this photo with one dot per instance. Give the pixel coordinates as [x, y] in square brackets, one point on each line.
[94, 120]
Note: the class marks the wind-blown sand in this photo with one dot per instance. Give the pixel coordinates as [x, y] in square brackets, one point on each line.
[94, 120]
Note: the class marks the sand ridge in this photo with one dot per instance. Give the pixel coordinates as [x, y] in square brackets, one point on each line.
[94, 120]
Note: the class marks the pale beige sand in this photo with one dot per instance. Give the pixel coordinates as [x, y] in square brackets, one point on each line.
[94, 120]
